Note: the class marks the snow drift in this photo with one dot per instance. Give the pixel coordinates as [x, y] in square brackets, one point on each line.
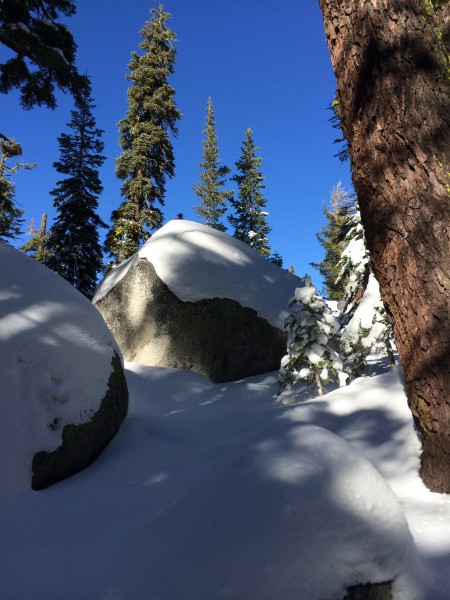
[57, 358]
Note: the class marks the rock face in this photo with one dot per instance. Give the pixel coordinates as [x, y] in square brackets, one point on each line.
[216, 337]
[81, 444]
[63, 392]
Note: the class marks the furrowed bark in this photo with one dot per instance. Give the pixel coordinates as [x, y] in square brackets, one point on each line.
[391, 63]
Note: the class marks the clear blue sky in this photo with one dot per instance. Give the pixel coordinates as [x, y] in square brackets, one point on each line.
[266, 66]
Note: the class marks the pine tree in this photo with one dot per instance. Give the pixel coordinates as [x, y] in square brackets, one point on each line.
[276, 259]
[147, 157]
[36, 245]
[73, 241]
[44, 50]
[394, 93]
[332, 239]
[250, 218]
[365, 328]
[209, 191]
[11, 216]
[311, 355]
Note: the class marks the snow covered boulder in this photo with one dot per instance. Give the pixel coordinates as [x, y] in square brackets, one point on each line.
[297, 514]
[195, 298]
[63, 392]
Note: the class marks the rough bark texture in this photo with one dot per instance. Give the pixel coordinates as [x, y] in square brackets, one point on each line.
[390, 58]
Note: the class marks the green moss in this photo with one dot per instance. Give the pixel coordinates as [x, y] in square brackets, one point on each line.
[72, 433]
[432, 15]
[81, 444]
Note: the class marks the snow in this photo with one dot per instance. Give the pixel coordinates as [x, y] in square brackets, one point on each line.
[212, 491]
[365, 318]
[56, 354]
[197, 262]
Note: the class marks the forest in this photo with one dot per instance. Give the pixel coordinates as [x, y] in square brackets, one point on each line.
[151, 287]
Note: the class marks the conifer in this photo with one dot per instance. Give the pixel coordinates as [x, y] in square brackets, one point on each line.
[147, 157]
[250, 218]
[11, 216]
[43, 48]
[212, 177]
[73, 241]
[311, 354]
[365, 328]
[36, 245]
[332, 238]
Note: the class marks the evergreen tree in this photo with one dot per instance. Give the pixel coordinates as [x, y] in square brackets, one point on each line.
[11, 217]
[250, 219]
[365, 328]
[394, 93]
[311, 356]
[276, 259]
[73, 241]
[44, 50]
[332, 239]
[209, 191]
[147, 157]
[36, 245]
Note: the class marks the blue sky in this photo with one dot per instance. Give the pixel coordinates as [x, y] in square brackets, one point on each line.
[266, 66]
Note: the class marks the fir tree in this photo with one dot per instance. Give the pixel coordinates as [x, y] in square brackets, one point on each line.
[276, 259]
[11, 216]
[44, 50]
[209, 191]
[73, 241]
[147, 157]
[311, 355]
[36, 245]
[365, 328]
[332, 239]
[250, 218]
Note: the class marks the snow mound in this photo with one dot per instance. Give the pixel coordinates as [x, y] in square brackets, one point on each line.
[197, 262]
[299, 513]
[55, 356]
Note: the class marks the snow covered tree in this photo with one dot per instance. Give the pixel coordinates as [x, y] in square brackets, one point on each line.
[147, 157]
[209, 191]
[35, 246]
[44, 50]
[250, 218]
[332, 239]
[73, 242]
[11, 216]
[365, 328]
[311, 354]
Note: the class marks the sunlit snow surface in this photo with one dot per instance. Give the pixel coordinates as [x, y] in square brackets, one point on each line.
[55, 356]
[215, 491]
[211, 492]
[196, 262]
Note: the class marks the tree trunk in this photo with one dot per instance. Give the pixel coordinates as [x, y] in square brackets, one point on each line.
[392, 70]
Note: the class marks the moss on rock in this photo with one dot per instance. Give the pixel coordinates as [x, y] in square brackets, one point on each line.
[83, 443]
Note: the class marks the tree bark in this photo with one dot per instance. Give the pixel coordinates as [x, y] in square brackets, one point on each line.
[391, 63]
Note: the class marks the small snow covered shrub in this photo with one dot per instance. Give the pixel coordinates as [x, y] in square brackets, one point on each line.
[311, 329]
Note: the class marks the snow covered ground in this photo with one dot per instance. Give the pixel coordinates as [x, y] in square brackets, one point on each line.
[216, 491]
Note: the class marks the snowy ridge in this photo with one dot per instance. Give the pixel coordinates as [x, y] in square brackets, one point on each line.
[197, 262]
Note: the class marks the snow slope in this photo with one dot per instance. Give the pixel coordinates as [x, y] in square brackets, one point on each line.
[197, 262]
[208, 491]
[215, 491]
[55, 356]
